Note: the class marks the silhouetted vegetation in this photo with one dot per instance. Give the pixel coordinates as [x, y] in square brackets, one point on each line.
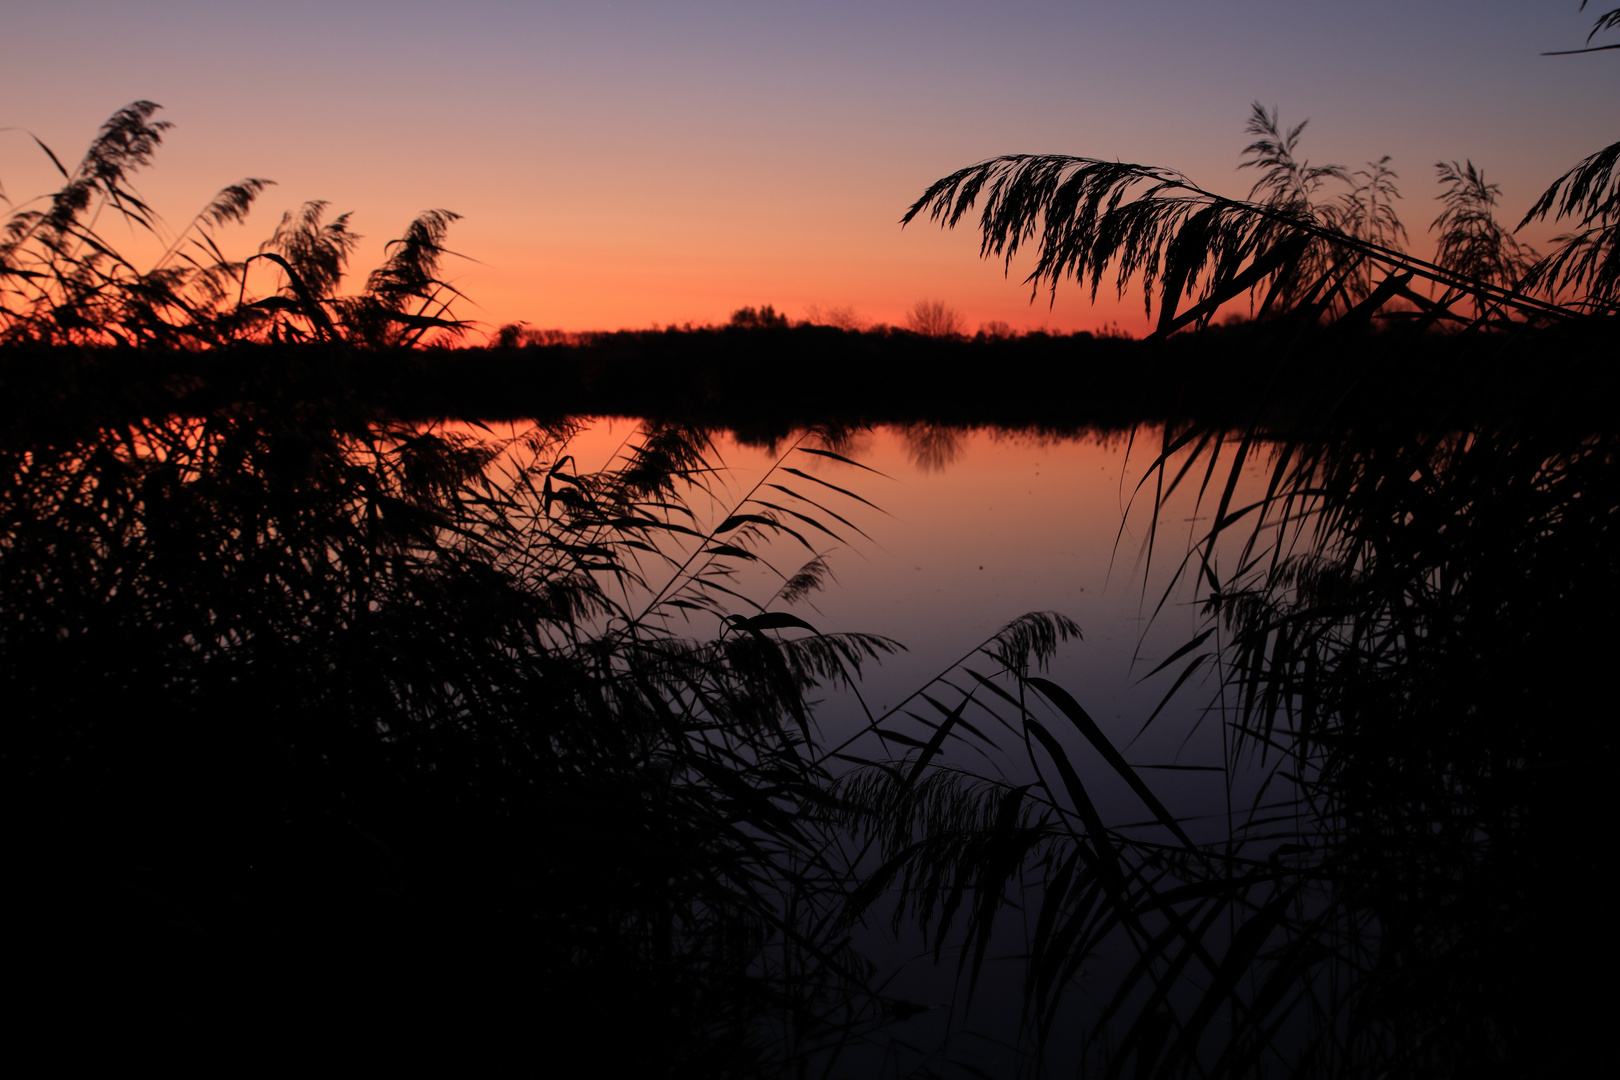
[752, 382]
[328, 721]
[332, 727]
[764, 317]
[933, 318]
[327, 727]
[1404, 632]
[63, 282]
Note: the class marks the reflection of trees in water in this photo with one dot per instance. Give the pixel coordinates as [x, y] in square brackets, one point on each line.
[932, 447]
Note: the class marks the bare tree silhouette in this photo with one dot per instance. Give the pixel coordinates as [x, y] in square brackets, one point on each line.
[933, 318]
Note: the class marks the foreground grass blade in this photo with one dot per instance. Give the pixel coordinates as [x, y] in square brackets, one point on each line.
[1088, 727]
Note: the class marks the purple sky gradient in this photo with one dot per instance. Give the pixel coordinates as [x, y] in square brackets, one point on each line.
[625, 164]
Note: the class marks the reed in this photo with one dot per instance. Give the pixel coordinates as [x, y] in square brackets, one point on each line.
[394, 729]
[328, 726]
[62, 281]
[1402, 632]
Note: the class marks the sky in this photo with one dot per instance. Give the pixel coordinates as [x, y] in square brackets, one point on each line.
[629, 165]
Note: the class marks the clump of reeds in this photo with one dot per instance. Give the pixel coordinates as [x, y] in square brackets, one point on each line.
[325, 724]
[63, 282]
[393, 727]
[1404, 628]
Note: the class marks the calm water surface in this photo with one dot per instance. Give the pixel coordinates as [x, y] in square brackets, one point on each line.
[977, 530]
[974, 528]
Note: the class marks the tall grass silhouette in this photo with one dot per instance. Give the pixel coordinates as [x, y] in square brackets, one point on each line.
[329, 728]
[62, 281]
[321, 722]
[327, 725]
[1402, 632]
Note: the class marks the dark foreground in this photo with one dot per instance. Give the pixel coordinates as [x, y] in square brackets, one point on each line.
[319, 732]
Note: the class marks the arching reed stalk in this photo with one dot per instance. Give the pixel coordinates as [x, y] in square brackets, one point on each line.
[1295, 254]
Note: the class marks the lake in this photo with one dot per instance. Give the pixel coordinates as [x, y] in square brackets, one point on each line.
[971, 528]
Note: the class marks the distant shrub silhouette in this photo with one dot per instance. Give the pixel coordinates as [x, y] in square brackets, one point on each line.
[932, 318]
[519, 334]
[762, 318]
[844, 318]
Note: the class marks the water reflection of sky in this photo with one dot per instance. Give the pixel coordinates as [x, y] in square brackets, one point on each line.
[970, 530]
[1009, 524]
[974, 528]
[974, 532]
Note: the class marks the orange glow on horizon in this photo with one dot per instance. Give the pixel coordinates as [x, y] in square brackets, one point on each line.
[607, 297]
[619, 168]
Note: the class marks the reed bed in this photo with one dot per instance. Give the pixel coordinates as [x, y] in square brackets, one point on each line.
[324, 722]
[333, 729]
[1402, 645]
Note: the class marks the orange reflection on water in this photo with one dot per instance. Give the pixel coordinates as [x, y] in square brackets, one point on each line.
[969, 530]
